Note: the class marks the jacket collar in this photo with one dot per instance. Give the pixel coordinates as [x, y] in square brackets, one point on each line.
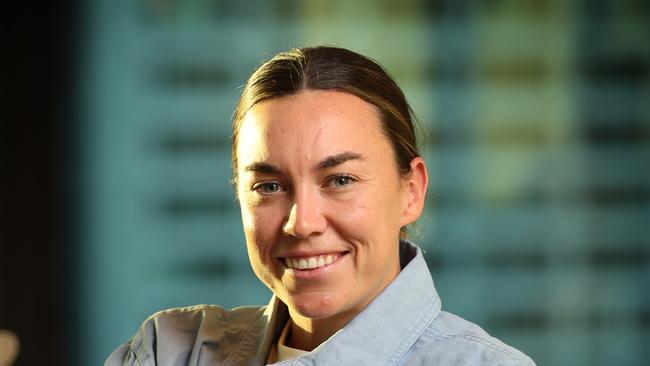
[384, 331]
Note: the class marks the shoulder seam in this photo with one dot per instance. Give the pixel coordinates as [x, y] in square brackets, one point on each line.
[483, 341]
[136, 356]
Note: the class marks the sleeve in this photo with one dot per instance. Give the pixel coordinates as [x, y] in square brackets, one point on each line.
[140, 350]
[192, 336]
[123, 356]
[168, 337]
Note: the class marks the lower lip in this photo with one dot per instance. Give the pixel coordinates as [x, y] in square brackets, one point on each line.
[308, 274]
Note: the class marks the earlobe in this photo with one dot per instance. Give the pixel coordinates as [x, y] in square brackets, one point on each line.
[416, 190]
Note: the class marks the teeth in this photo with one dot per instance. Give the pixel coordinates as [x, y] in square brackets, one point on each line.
[310, 262]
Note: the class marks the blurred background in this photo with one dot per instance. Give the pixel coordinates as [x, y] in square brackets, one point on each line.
[115, 195]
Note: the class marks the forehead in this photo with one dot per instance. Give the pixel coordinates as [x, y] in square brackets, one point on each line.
[310, 124]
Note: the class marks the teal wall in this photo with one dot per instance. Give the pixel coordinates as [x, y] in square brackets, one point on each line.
[538, 147]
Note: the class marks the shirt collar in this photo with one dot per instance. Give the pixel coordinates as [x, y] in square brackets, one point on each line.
[285, 352]
[391, 323]
[275, 316]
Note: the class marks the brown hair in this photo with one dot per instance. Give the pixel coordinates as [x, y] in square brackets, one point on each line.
[331, 68]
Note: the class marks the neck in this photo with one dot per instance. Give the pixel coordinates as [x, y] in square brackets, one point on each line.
[307, 334]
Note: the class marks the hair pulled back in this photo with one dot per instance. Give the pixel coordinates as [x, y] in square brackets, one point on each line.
[332, 68]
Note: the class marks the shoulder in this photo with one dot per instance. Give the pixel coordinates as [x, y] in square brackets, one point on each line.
[199, 315]
[452, 340]
[174, 334]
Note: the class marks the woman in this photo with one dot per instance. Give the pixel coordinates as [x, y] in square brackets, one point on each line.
[328, 177]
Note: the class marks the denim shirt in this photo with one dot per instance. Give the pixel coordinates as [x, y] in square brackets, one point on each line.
[404, 325]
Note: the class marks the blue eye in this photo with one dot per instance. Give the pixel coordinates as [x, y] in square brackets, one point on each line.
[341, 181]
[267, 188]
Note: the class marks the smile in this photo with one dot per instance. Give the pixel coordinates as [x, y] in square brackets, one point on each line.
[312, 262]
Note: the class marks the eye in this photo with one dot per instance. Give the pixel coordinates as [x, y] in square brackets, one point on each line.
[341, 181]
[267, 187]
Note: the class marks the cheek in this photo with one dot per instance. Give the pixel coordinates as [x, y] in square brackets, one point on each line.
[355, 211]
[261, 231]
[247, 217]
[369, 212]
[256, 240]
[258, 255]
[350, 212]
[357, 220]
[262, 225]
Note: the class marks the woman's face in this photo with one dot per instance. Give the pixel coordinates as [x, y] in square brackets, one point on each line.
[321, 200]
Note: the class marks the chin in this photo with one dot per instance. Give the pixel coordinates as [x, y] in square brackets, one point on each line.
[315, 307]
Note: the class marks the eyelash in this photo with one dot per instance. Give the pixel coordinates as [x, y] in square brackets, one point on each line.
[260, 186]
[331, 181]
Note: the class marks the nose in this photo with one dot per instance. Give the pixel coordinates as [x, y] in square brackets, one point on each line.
[306, 217]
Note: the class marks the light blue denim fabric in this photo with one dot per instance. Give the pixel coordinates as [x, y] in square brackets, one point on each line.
[402, 326]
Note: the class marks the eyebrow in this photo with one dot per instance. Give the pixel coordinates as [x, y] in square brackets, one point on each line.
[328, 162]
[263, 168]
[338, 159]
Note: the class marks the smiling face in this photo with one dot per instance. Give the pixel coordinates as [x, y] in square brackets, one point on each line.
[322, 202]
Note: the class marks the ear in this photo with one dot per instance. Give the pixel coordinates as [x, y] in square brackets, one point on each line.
[415, 191]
